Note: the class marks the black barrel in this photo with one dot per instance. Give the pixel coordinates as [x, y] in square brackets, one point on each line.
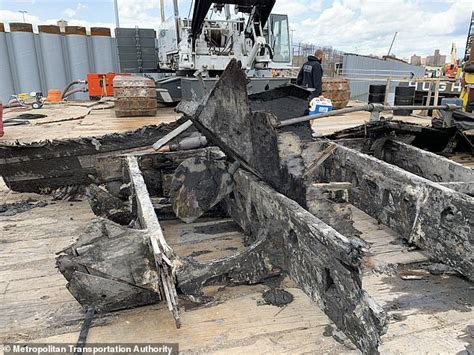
[376, 94]
[404, 96]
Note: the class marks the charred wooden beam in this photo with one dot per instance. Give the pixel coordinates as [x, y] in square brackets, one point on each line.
[163, 254]
[48, 165]
[324, 263]
[429, 138]
[226, 118]
[104, 204]
[423, 163]
[429, 215]
[321, 260]
[462, 187]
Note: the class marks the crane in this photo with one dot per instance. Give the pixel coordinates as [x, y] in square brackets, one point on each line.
[203, 46]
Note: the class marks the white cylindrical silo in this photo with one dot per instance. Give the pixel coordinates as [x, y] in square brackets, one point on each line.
[6, 80]
[76, 43]
[24, 52]
[53, 58]
[102, 49]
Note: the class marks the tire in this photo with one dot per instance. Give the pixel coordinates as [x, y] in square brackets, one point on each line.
[36, 105]
[377, 89]
[469, 68]
[403, 100]
[402, 112]
[376, 98]
[406, 91]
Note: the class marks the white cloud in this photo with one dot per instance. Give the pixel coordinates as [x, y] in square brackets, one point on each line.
[69, 12]
[291, 9]
[12, 16]
[7, 16]
[368, 26]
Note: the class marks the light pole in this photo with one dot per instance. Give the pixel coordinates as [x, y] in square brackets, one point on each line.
[117, 21]
[23, 12]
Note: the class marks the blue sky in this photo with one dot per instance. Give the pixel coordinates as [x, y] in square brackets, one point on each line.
[364, 26]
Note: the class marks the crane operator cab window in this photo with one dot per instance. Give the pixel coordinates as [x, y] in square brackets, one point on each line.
[280, 38]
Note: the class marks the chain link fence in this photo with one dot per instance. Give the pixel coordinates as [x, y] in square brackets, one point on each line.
[332, 61]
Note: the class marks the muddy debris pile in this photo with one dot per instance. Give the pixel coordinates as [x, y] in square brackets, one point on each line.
[290, 196]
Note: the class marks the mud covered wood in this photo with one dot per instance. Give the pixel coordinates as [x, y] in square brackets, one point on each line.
[163, 255]
[110, 267]
[324, 263]
[429, 215]
[198, 185]
[42, 166]
[425, 164]
[330, 203]
[226, 118]
[463, 187]
[249, 266]
[104, 204]
[446, 140]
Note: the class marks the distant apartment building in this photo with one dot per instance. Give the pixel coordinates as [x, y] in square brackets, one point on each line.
[436, 60]
[415, 60]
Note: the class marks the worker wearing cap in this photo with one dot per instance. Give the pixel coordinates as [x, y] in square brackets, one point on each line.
[311, 73]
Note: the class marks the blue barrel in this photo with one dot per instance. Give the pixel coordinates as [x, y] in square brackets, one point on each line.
[6, 80]
[76, 43]
[24, 52]
[53, 57]
[102, 49]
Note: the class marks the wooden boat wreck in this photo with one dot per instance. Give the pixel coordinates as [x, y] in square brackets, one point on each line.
[289, 195]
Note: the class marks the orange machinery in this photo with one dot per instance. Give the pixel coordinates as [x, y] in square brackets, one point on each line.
[100, 85]
[450, 70]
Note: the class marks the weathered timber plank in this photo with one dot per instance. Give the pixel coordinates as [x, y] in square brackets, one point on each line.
[423, 163]
[115, 257]
[326, 153]
[227, 120]
[324, 263]
[106, 294]
[330, 203]
[54, 164]
[463, 187]
[431, 216]
[162, 252]
[145, 211]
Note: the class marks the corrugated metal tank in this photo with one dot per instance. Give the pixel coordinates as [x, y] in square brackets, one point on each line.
[6, 79]
[102, 49]
[24, 52]
[53, 57]
[76, 43]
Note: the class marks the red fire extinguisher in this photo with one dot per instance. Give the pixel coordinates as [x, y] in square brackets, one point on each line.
[1, 118]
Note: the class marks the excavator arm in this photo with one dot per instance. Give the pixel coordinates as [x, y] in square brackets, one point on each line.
[258, 9]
